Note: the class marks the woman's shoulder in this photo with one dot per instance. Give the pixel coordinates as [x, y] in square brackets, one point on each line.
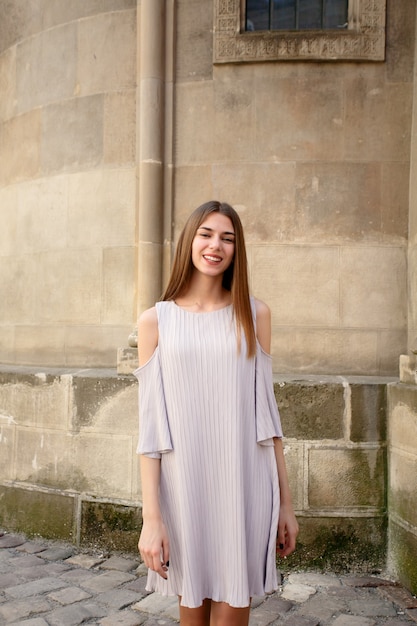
[148, 317]
[263, 324]
[263, 312]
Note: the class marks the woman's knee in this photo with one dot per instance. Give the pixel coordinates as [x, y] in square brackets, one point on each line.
[195, 617]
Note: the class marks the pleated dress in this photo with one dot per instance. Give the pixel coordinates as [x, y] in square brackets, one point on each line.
[209, 414]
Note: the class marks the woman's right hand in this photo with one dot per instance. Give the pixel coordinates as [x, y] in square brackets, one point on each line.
[154, 546]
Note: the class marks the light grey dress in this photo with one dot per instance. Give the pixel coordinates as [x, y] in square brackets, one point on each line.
[209, 413]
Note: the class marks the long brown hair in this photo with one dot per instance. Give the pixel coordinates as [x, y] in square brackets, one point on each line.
[235, 278]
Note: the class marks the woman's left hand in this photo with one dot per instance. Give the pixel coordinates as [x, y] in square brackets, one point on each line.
[287, 531]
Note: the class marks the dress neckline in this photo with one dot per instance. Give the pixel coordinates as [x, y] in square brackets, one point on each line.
[223, 308]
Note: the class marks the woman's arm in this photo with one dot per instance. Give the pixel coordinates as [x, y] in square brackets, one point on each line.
[287, 524]
[153, 543]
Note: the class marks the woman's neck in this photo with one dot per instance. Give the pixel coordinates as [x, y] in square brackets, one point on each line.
[204, 295]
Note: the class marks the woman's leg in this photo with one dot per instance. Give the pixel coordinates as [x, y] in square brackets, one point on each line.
[195, 617]
[223, 614]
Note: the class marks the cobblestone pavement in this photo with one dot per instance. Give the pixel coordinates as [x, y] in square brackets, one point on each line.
[53, 584]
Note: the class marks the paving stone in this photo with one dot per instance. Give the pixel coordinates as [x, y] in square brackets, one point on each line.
[160, 622]
[138, 585]
[400, 597]
[31, 547]
[119, 563]
[142, 570]
[77, 576]
[107, 581]
[35, 587]
[298, 620]
[352, 620]
[57, 553]
[87, 561]
[75, 614]
[33, 573]
[124, 618]
[118, 598]
[69, 595]
[156, 604]
[321, 607]
[36, 621]
[367, 581]
[11, 541]
[297, 593]
[8, 580]
[28, 560]
[371, 606]
[412, 613]
[17, 609]
[314, 580]
[268, 611]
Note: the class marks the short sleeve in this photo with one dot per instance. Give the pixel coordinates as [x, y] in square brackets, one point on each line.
[154, 433]
[268, 422]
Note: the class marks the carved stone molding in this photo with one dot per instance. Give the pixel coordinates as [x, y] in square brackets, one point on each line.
[363, 40]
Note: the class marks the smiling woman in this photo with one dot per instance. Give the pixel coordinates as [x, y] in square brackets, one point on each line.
[215, 487]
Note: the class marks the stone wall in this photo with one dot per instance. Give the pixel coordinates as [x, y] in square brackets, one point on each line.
[316, 158]
[68, 466]
[67, 180]
[109, 138]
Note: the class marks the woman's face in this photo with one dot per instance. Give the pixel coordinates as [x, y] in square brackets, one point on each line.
[213, 245]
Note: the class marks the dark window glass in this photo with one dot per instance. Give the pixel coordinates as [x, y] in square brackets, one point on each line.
[296, 14]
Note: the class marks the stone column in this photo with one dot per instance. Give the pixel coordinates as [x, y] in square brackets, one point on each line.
[151, 92]
[155, 82]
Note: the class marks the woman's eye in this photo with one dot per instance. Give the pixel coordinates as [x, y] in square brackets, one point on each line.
[228, 240]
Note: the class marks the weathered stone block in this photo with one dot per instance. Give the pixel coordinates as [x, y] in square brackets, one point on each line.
[35, 399]
[402, 408]
[368, 406]
[391, 343]
[194, 40]
[19, 20]
[7, 444]
[294, 461]
[106, 463]
[395, 185]
[34, 345]
[119, 272]
[101, 208]
[107, 52]
[56, 12]
[42, 221]
[7, 84]
[110, 526]
[102, 342]
[373, 287]
[46, 457]
[311, 411]
[300, 283]
[40, 75]
[340, 352]
[104, 402]
[20, 150]
[339, 544]
[403, 555]
[317, 102]
[382, 105]
[347, 478]
[275, 203]
[402, 487]
[70, 288]
[47, 514]
[338, 200]
[119, 143]
[72, 134]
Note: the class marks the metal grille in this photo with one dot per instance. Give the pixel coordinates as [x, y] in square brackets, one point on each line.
[296, 14]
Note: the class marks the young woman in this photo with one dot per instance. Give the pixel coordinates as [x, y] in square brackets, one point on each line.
[215, 490]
